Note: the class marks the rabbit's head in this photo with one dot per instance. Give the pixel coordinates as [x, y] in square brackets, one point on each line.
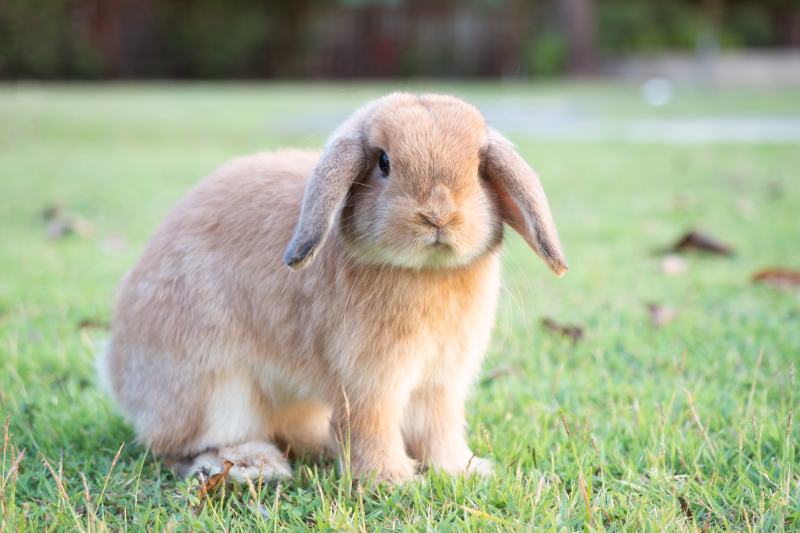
[421, 182]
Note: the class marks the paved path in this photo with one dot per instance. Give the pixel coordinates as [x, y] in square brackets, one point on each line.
[667, 130]
[565, 123]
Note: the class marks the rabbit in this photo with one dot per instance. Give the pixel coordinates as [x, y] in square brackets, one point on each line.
[366, 346]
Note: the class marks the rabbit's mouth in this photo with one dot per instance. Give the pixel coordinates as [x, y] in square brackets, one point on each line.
[440, 239]
[438, 246]
[439, 251]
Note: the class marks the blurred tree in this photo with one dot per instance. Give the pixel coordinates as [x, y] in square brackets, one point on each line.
[46, 39]
[367, 38]
[580, 23]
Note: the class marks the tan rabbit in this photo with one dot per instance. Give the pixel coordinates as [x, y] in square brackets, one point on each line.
[374, 334]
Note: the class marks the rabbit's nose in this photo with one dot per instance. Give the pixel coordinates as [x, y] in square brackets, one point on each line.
[435, 218]
[439, 208]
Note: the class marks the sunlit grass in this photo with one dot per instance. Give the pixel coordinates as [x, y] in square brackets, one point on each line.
[689, 426]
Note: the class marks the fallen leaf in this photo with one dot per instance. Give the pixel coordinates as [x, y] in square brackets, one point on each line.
[91, 323]
[673, 265]
[661, 315]
[775, 190]
[500, 372]
[58, 228]
[60, 223]
[697, 241]
[567, 330]
[52, 211]
[215, 481]
[779, 278]
[685, 508]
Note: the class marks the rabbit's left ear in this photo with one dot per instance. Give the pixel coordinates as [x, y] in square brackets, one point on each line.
[523, 204]
[341, 163]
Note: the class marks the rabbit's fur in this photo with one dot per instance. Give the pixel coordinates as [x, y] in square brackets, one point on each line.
[370, 342]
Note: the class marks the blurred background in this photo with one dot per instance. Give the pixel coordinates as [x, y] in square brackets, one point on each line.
[313, 39]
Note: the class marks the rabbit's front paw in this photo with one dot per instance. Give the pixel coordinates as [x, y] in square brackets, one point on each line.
[251, 461]
[255, 460]
[467, 465]
[395, 473]
[480, 466]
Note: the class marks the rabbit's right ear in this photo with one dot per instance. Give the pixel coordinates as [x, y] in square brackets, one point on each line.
[523, 203]
[341, 163]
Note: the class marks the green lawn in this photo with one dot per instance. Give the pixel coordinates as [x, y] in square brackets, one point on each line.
[682, 427]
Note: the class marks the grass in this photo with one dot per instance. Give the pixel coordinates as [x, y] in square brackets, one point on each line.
[690, 426]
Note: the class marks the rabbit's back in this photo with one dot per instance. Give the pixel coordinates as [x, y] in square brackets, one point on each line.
[186, 309]
[224, 236]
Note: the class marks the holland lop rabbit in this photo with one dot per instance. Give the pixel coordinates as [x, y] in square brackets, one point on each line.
[374, 333]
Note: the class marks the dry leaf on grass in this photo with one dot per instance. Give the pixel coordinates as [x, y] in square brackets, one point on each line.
[214, 482]
[685, 508]
[701, 242]
[780, 278]
[52, 211]
[775, 190]
[567, 330]
[661, 315]
[500, 372]
[91, 323]
[60, 223]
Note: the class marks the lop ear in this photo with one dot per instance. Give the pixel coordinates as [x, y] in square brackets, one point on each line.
[341, 163]
[523, 204]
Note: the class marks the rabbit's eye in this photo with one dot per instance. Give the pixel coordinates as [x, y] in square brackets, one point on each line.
[383, 163]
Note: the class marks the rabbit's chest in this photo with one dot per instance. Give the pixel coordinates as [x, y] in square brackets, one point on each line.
[433, 327]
